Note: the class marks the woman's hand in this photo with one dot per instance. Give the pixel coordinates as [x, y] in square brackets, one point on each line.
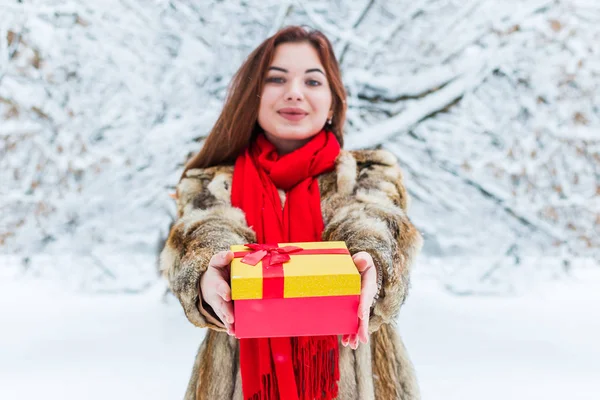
[215, 289]
[368, 272]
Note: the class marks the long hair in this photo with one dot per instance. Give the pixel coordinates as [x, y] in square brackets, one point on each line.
[238, 123]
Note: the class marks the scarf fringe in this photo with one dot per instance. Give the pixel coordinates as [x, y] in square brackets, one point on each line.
[268, 389]
[316, 369]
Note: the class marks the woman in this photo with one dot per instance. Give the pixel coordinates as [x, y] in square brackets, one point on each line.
[272, 171]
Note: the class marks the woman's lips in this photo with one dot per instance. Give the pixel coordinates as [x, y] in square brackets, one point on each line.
[292, 116]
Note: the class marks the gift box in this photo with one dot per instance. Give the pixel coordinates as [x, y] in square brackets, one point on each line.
[294, 289]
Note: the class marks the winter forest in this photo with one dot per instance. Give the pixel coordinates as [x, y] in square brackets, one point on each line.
[491, 107]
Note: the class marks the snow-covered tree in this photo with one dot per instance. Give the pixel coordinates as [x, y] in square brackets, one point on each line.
[491, 107]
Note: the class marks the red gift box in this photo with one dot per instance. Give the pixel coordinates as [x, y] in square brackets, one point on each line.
[294, 289]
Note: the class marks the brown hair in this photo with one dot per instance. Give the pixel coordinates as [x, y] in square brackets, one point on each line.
[237, 125]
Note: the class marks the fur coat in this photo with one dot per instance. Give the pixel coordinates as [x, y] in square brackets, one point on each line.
[364, 203]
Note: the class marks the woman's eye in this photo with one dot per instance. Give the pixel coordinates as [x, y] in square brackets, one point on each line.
[275, 79]
[278, 79]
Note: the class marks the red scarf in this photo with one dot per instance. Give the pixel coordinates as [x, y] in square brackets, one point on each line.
[275, 368]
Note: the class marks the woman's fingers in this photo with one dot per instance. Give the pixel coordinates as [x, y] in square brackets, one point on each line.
[224, 311]
[218, 309]
[224, 290]
[353, 342]
[214, 287]
[362, 260]
[363, 330]
[350, 340]
[362, 336]
[231, 329]
[221, 259]
[345, 340]
[365, 265]
[216, 290]
[367, 292]
[227, 318]
[227, 310]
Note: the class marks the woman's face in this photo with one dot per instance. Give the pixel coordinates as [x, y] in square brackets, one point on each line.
[296, 99]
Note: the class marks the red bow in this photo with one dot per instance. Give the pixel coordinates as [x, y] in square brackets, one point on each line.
[278, 255]
[273, 258]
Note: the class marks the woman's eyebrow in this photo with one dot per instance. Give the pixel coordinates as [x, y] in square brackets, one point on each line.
[314, 70]
[306, 72]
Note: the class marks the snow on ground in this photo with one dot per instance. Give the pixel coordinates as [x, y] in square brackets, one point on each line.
[539, 345]
[542, 344]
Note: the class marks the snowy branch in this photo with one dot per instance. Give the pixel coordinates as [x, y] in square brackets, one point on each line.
[491, 108]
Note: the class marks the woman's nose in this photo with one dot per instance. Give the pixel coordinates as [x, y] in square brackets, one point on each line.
[294, 92]
[294, 96]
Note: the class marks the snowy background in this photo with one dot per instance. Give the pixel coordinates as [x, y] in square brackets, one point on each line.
[492, 107]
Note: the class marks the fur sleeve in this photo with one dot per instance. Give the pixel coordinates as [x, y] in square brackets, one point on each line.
[368, 212]
[207, 224]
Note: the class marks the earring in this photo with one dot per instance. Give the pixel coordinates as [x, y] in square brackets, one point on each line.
[329, 120]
